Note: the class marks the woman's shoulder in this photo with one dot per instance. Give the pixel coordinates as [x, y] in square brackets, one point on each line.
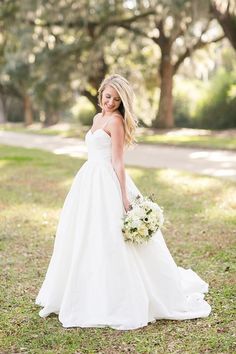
[117, 119]
[116, 124]
[97, 116]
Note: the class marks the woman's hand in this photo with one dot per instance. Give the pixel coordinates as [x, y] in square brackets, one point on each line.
[127, 205]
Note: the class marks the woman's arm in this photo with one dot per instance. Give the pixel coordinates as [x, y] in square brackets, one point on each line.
[116, 129]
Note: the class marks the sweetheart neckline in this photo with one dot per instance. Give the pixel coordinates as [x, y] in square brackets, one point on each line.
[92, 133]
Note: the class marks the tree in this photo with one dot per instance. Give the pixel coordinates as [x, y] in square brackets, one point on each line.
[178, 32]
[15, 72]
[225, 13]
[58, 48]
[7, 10]
[81, 37]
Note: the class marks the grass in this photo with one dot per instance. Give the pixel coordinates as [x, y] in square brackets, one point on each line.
[175, 137]
[67, 130]
[203, 141]
[200, 230]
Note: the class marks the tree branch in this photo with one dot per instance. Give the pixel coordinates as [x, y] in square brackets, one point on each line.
[90, 97]
[81, 23]
[200, 44]
[162, 37]
[227, 21]
[135, 30]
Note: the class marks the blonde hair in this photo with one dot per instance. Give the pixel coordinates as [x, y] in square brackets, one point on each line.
[123, 88]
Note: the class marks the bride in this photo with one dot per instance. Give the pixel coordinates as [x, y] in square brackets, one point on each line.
[95, 278]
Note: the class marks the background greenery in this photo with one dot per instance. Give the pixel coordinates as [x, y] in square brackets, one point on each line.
[179, 56]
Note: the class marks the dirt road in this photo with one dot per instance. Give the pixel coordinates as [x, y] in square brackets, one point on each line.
[220, 163]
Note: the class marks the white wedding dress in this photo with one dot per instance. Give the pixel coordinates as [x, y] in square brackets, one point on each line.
[95, 278]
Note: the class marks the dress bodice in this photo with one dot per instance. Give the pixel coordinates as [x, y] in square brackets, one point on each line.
[98, 145]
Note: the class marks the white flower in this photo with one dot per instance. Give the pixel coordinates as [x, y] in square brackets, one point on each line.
[136, 223]
[142, 221]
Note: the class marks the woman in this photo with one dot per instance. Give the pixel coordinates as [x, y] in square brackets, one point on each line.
[95, 278]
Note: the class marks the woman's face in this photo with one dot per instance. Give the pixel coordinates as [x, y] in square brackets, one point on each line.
[110, 100]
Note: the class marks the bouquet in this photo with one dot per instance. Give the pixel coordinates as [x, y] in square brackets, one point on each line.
[142, 221]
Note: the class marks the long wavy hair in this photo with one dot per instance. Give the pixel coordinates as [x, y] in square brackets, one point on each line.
[125, 91]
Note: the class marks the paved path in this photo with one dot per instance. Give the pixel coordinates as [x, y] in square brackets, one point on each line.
[220, 163]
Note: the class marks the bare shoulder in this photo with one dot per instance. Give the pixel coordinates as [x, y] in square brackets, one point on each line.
[117, 121]
[96, 116]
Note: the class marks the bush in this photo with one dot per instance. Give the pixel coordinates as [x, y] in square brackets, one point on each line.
[83, 111]
[85, 116]
[182, 111]
[217, 110]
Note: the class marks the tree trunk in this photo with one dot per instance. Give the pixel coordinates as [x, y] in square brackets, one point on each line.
[28, 113]
[51, 118]
[97, 73]
[93, 99]
[165, 118]
[3, 117]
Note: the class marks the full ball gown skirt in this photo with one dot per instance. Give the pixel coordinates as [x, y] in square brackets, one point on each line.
[95, 278]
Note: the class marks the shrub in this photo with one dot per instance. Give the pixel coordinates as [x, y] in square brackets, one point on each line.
[83, 111]
[217, 109]
[182, 111]
[85, 116]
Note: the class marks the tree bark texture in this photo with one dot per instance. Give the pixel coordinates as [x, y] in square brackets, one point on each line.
[28, 112]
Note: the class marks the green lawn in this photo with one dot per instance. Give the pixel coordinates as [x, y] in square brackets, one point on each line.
[66, 130]
[200, 230]
[186, 137]
[203, 141]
